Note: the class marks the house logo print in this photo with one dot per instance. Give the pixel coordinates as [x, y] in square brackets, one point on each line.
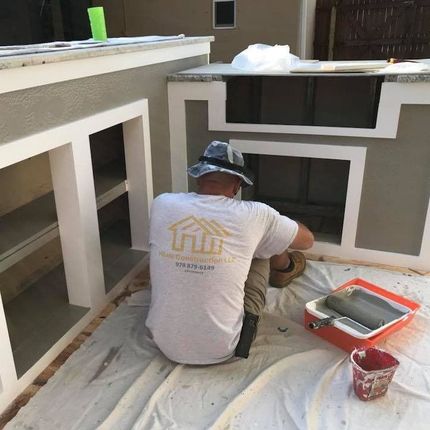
[198, 236]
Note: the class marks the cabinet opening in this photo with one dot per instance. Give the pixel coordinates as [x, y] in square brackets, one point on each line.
[309, 190]
[115, 238]
[303, 100]
[32, 279]
[109, 167]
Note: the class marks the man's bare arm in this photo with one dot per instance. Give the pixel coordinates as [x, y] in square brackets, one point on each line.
[304, 238]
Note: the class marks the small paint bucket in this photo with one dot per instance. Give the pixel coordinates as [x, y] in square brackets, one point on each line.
[372, 371]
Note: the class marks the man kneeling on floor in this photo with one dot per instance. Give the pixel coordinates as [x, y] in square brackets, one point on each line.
[211, 257]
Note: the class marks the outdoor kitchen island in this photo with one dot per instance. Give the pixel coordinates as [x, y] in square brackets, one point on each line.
[118, 379]
[82, 125]
[346, 153]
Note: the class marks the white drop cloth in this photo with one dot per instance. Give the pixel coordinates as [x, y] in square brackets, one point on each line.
[292, 380]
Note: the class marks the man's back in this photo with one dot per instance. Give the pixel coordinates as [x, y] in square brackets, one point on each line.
[201, 250]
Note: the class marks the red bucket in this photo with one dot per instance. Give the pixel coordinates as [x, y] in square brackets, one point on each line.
[372, 371]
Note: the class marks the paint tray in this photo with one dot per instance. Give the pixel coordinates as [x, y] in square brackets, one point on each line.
[393, 312]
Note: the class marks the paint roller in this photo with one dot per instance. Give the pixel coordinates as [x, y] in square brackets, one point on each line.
[365, 313]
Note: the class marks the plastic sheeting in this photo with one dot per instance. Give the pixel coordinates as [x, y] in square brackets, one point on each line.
[292, 379]
[260, 57]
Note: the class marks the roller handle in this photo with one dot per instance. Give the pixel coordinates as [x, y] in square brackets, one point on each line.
[324, 322]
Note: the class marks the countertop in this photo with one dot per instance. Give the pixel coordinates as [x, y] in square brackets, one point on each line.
[217, 72]
[31, 55]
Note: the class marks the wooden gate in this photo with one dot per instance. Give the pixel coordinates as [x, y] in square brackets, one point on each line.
[372, 29]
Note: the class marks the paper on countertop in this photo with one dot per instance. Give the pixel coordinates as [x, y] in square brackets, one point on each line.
[376, 66]
[407, 67]
[340, 67]
[292, 379]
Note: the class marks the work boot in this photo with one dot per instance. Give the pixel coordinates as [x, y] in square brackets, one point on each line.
[281, 278]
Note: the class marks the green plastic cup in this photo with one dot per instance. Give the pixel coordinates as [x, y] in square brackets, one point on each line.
[97, 22]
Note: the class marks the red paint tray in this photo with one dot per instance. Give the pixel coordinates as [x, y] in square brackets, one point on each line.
[347, 333]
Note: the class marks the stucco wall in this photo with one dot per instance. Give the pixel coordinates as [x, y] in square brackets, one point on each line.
[396, 184]
[29, 111]
[269, 21]
[32, 175]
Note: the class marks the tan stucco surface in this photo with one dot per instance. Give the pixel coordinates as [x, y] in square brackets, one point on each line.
[29, 111]
[270, 21]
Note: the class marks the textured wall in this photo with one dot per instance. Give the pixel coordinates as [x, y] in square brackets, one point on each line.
[270, 21]
[396, 186]
[23, 182]
[29, 111]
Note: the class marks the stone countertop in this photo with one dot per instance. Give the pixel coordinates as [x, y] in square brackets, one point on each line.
[217, 72]
[65, 51]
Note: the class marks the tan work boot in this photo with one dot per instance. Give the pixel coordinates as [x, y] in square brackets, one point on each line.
[280, 279]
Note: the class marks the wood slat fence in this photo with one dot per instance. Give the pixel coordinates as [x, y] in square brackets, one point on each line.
[372, 29]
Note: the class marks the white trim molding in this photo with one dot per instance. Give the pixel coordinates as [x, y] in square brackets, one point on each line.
[393, 95]
[70, 158]
[178, 93]
[357, 157]
[354, 154]
[29, 146]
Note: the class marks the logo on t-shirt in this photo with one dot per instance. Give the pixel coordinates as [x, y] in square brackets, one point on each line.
[198, 236]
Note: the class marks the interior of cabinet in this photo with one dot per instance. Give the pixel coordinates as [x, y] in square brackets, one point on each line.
[108, 159]
[347, 101]
[117, 254]
[39, 315]
[32, 279]
[309, 190]
[33, 283]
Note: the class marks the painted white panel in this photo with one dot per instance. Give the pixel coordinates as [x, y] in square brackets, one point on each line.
[393, 95]
[7, 366]
[29, 146]
[139, 177]
[75, 200]
[356, 155]
[178, 92]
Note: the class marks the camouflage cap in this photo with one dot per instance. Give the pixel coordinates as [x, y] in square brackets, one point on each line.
[221, 157]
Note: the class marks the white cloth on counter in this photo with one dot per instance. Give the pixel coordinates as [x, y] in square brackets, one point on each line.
[260, 57]
[292, 379]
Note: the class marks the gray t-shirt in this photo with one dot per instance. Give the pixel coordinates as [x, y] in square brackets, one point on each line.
[201, 250]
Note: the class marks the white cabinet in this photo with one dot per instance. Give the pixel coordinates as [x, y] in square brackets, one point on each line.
[83, 241]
